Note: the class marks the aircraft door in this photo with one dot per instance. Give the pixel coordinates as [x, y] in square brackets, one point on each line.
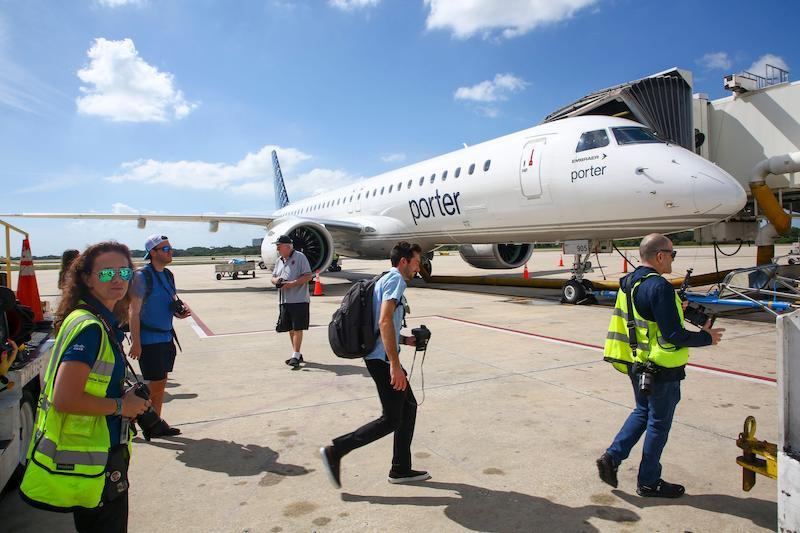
[530, 179]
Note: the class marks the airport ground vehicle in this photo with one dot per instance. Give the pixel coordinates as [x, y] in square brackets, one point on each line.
[18, 405]
[235, 268]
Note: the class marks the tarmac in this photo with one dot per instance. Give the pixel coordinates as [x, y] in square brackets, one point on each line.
[517, 406]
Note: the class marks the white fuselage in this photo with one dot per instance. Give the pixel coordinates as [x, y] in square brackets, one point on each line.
[532, 186]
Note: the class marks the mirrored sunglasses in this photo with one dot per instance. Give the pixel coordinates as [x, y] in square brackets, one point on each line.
[107, 274]
[165, 249]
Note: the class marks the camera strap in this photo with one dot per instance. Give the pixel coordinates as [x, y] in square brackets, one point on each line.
[632, 337]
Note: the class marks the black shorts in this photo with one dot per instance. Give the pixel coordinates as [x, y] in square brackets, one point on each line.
[292, 317]
[157, 360]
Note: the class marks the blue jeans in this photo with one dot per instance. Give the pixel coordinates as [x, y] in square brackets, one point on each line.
[654, 414]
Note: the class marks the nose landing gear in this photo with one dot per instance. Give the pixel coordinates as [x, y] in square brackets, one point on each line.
[579, 291]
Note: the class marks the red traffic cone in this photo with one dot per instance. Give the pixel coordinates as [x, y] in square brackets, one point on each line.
[625, 263]
[27, 289]
[561, 260]
[525, 272]
[318, 286]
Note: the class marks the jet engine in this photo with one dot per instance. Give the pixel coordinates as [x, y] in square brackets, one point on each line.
[308, 237]
[496, 256]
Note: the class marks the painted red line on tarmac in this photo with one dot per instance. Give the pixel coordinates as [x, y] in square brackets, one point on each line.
[595, 346]
[202, 325]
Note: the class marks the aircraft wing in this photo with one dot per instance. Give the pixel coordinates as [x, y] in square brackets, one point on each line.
[213, 220]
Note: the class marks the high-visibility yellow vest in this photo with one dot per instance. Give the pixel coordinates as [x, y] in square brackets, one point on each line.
[650, 343]
[68, 452]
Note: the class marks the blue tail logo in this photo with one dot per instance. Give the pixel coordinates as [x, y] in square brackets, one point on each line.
[281, 198]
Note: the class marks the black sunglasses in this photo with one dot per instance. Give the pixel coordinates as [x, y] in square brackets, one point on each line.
[672, 253]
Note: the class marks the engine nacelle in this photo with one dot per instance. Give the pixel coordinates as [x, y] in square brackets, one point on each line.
[309, 237]
[496, 256]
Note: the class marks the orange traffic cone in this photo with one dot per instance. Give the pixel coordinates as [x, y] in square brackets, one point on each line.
[27, 289]
[525, 272]
[625, 263]
[318, 286]
[561, 260]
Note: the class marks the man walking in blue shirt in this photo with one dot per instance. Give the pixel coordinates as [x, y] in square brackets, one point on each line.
[397, 399]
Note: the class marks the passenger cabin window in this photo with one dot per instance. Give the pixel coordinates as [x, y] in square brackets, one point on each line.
[390, 188]
[486, 165]
[471, 169]
[433, 177]
[421, 181]
[458, 171]
[591, 140]
[444, 175]
[399, 185]
[409, 184]
[382, 191]
[635, 135]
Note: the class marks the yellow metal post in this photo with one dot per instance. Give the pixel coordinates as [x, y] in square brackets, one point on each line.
[749, 461]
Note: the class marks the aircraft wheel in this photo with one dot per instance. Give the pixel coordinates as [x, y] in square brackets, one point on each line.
[572, 292]
[587, 285]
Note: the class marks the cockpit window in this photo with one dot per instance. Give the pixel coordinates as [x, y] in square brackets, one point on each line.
[635, 135]
[592, 139]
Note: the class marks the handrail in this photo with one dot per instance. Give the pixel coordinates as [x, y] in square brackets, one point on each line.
[7, 259]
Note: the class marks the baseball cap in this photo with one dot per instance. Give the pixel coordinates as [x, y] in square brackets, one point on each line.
[153, 241]
[283, 239]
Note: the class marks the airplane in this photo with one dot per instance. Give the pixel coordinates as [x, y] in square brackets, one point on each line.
[582, 180]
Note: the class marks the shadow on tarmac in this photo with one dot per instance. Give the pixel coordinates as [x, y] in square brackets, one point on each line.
[183, 396]
[228, 457]
[763, 513]
[339, 370]
[481, 509]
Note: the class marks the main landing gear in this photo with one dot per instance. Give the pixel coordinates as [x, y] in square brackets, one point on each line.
[579, 291]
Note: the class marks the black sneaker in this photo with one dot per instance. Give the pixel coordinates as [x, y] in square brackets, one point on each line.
[607, 470]
[408, 476]
[332, 465]
[661, 489]
[294, 362]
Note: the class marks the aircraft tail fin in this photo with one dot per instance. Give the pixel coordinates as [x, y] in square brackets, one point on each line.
[281, 198]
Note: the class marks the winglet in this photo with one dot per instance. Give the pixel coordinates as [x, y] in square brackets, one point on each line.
[281, 198]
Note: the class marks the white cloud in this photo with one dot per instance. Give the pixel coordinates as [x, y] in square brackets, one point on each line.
[318, 181]
[349, 5]
[123, 209]
[491, 90]
[487, 111]
[759, 67]
[119, 3]
[393, 158]
[715, 61]
[125, 88]
[512, 18]
[241, 176]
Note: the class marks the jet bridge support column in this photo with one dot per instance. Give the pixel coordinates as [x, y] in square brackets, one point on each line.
[788, 327]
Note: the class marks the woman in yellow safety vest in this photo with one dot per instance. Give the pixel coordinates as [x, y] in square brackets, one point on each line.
[79, 453]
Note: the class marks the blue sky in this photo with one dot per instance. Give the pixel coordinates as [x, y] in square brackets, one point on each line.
[173, 106]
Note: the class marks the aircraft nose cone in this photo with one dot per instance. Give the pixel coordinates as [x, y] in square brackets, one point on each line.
[717, 192]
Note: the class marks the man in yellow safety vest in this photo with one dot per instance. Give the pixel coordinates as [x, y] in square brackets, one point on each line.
[654, 361]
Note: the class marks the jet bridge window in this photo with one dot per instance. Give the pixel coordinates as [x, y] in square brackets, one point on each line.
[591, 140]
[635, 135]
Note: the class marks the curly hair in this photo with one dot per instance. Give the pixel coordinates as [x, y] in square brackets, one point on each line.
[66, 259]
[75, 288]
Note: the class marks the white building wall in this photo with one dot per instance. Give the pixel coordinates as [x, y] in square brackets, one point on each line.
[745, 129]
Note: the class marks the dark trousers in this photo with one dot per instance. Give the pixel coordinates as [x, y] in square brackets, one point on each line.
[399, 416]
[111, 517]
[653, 413]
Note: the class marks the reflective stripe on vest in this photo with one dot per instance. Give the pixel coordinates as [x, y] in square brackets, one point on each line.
[67, 459]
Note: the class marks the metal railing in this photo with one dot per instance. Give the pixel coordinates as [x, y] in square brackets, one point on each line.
[773, 76]
[7, 259]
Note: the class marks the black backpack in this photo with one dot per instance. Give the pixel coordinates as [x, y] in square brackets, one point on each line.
[352, 332]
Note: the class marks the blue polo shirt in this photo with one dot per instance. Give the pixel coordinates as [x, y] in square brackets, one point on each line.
[85, 347]
[155, 310]
[390, 287]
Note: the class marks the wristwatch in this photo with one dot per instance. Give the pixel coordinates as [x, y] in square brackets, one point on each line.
[118, 410]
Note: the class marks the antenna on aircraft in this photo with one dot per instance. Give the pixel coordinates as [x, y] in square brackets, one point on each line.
[465, 145]
[281, 197]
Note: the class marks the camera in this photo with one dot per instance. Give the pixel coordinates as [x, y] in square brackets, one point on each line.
[698, 315]
[280, 283]
[177, 306]
[149, 420]
[646, 377]
[422, 335]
